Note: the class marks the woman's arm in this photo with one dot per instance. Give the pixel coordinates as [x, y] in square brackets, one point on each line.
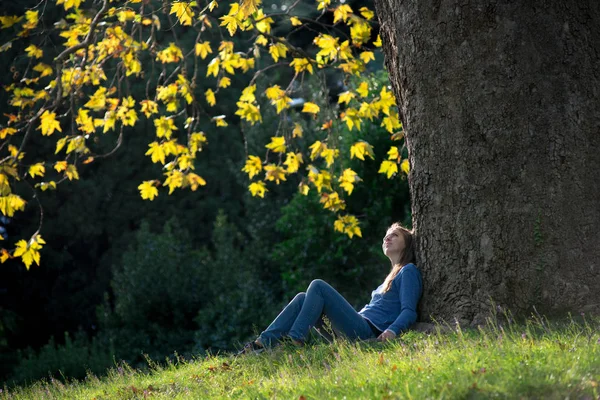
[411, 287]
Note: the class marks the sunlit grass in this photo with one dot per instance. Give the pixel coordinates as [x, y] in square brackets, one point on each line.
[529, 360]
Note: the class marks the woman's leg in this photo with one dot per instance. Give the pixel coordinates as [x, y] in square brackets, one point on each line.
[320, 299]
[284, 321]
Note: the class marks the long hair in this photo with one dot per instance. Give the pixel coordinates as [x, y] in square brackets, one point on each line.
[407, 256]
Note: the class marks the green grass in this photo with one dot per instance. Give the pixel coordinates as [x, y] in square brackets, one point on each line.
[529, 360]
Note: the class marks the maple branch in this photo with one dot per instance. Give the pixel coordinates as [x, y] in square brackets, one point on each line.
[119, 142]
[67, 52]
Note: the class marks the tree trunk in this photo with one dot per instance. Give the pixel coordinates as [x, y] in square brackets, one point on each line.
[500, 103]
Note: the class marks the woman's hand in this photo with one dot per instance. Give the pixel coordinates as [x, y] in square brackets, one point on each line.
[386, 335]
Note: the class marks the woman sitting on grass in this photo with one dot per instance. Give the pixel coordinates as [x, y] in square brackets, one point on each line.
[393, 306]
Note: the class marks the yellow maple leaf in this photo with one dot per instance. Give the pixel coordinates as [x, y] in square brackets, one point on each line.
[97, 101]
[329, 46]
[391, 122]
[293, 161]
[174, 180]
[321, 179]
[183, 11]
[148, 190]
[196, 141]
[11, 203]
[77, 144]
[310, 108]
[29, 252]
[129, 118]
[232, 20]
[377, 42]
[46, 185]
[278, 98]
[110, 118]
[404, 166]
[352, 118]
[69, 3]
[43, 69]
[263, 23]
[367, 56]
[85, 123]
[5, 255]
[341, 13]
[219, 120]
[7, 132]
[297, 132]
[393, 153]
[347, 180]
[248, 94]
[360, 33]
[323, 4]
[368, 110]
[329, 155]
[277, 144]
[302, 64]
[169, 55]
[253, 166]
[60, 166]
[194, 181]
[224, 82]
[363, 89]
[164, 127]
[316, 149]
[389, 168]
[149, 107]
[261, 40]
[9, 20]
[360, 149]
[49, 123]
[274, 173]
[34, 51]
[248, 7]
[37, 170]
[32, 18]
[386, 101]
[203, 49]
[210, 97]
[258, 189]
[345, 97]
[213, 67]
[367, 13]
[249, 112]
[347, 224]
[303, 188]
[278, 50]
[156, 152]
[332, 202]
[71, 172]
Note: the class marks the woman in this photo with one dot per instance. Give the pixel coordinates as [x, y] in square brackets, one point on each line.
[393, 306]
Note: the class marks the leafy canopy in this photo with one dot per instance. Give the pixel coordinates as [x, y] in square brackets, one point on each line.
[79, 68]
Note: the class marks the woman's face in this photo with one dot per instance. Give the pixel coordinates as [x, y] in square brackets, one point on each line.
[393, 243]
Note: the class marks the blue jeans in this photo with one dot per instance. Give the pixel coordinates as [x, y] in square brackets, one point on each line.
[306, 311]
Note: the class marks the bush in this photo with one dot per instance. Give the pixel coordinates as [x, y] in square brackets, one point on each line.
[74, 359]
[157, 291]
[239, 302]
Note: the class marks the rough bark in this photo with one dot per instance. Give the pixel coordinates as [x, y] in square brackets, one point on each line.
[500, 103]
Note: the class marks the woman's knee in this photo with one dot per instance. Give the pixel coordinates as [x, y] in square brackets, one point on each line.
[299, 297]
[318, 283]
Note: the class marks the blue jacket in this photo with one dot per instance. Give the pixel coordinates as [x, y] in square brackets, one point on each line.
[396, 310]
